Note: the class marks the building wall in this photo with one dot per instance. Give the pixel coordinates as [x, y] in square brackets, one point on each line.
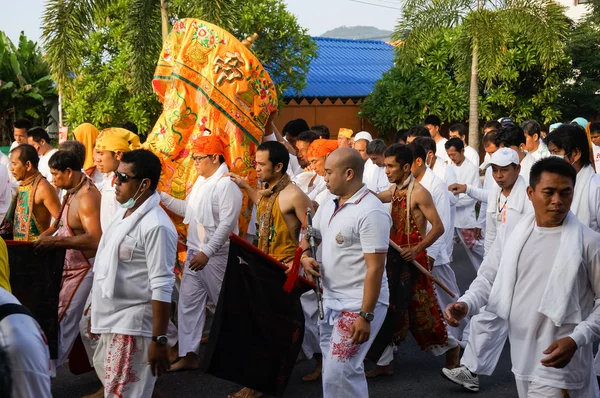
[333, 115]
[576, 8]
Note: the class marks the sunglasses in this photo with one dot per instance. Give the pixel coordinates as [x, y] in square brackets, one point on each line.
[122, 177]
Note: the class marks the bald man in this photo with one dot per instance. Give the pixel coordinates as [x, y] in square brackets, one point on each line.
[354, 228]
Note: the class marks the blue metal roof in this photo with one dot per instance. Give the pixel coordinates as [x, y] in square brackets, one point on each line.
[345, 68]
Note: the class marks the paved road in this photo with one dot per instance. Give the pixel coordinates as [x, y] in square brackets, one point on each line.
[417, 374]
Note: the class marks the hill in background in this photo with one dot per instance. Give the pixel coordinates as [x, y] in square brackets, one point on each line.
[358, 33]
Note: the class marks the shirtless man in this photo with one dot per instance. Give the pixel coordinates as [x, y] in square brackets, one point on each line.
[76, 229]
[36, 201]
[414, 239]
[281, 209]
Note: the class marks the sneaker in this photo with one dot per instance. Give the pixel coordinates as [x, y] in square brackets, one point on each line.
[462, 376]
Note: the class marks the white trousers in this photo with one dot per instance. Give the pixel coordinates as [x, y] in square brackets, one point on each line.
[310, 344]
[487, 337]
[121, 363]
[476, 252]
[533, 389]
[445, 274]
[343, 367]
[68, 328]
[197, 288]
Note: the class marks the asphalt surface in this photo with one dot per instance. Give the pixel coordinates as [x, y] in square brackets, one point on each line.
[416, 374]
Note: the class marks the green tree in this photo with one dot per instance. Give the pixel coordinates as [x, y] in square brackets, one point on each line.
[435, 81]
[486, 28]
[131, 52]
[579, 93]
[26, 86]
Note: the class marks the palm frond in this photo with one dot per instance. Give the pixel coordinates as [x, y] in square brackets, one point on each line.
[144, 41]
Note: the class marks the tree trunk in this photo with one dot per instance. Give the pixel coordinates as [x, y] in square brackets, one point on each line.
[473, 101]
[164, 14]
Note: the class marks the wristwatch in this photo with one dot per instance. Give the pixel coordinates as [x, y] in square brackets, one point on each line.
[367, 316]
[162, 340]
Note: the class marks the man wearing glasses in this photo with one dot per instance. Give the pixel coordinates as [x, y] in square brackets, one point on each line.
[133, 282]
[211, 211]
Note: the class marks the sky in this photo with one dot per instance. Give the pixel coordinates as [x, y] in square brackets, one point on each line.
[318, 16]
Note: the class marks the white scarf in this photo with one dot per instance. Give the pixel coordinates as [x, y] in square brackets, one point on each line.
[557, 303]
[581, 199]
[107, 257]
[199, 206]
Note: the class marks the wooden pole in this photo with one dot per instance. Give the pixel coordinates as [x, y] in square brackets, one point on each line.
[164, 16]
[424, 271]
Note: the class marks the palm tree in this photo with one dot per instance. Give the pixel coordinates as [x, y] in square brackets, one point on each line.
[67, 23]
[486, 25]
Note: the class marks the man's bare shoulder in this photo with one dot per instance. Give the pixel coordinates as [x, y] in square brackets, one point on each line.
[420, 194]
[89, 199]
[293, 192]
[45, 188]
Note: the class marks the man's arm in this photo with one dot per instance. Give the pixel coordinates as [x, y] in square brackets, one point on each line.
[89, 216]
[243, 184]
[177, 206]
[490, 231]
[422, 198]
[49, 198]
[386, 196]
[229, 213]
[301, 202]
[161, 249]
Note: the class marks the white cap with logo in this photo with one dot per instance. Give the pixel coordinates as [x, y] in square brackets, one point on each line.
[503, 157]
[363, 135]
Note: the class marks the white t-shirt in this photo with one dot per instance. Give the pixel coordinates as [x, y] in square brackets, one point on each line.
[440, 150]
[596, 157]
[467, 173]
[441, 199]
[27, 349]
[374, 177]
[526, 164]
[362, 225]
[303, 181]
[5, 192]
[541, 152]
[108, 201]
[472, 155]
[43, 164]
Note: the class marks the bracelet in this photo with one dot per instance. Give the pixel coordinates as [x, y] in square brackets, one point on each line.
[305, 250]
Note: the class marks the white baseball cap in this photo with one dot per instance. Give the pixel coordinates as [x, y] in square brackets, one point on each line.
[363, 135]
[503, 157]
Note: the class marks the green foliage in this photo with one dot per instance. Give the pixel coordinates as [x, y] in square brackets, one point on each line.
[102, 93]
[579, 93]
[436, 81]
[26, 87]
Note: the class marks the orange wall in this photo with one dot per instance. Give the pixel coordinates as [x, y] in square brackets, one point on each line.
[334, 116]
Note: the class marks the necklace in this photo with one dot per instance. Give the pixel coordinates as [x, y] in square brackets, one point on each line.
[501, 209]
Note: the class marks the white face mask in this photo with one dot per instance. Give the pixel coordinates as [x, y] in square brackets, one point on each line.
[558, 156]
[131, 202]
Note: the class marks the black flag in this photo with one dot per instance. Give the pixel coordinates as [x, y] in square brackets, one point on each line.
[35, 280]
[258, 328]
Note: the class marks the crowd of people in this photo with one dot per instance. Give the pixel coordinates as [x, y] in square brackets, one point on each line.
[387, 218]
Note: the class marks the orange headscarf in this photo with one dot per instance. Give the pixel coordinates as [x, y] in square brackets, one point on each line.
[86, 133]
[321, 148]
[345, 133]
[116, 139]
[211, 145]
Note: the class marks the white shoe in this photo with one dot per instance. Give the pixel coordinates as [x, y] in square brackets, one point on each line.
[462, 376]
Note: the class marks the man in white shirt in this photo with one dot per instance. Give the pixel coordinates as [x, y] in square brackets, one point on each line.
[544, 280]
[490, 129]
[344, 138]
[447, 174]
[375, 177]
[20, 128]
[469, 232]
[304, 140]
[317, 155]
[533, 141]
[459, 130]
[40, 140]
[361, 141]
[111, 144]
[433, 124]
[513, 137]
[439, 249]
[508, 205]
[27, 349]
[354, 230]
[133, 283]
[5, 192]
[211, 211]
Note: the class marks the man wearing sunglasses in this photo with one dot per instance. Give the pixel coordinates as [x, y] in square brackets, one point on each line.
[211, 211]
[133, 282]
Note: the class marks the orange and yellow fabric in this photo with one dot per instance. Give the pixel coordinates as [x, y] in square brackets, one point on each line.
[116, 139]
[345, 133]
[4, 268]
[87, 133]
[208, 80]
